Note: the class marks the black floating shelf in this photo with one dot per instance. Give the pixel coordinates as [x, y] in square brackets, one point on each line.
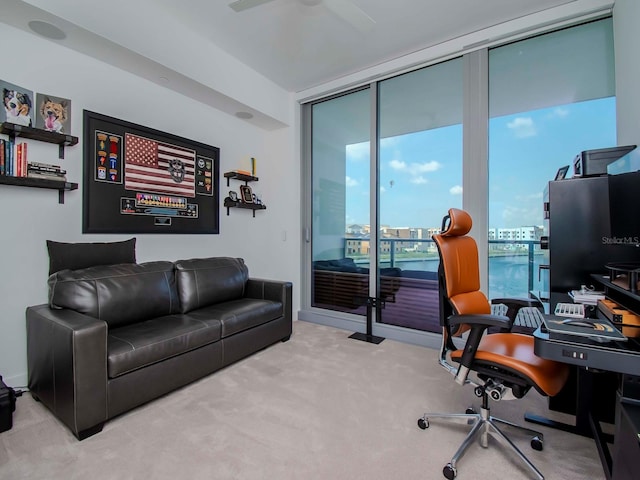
[248, 206]
[240, 176]
[60, 139]
[59, 185]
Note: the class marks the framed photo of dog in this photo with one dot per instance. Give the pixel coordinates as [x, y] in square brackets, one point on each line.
[18, 104]
[53, 113]
[140, 180]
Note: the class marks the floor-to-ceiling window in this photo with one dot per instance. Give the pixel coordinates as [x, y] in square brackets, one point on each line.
[372, 208]
[550, 97]
[420, 173]
[340, 246]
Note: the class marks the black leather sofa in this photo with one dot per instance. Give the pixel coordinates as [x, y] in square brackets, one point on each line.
[116, 336]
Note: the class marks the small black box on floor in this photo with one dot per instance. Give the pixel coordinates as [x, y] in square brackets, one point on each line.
[7, 406]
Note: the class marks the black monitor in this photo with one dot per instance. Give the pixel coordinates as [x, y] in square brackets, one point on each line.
[624, 209]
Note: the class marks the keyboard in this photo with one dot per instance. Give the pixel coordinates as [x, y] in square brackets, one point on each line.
[572, 310]
[529, 317]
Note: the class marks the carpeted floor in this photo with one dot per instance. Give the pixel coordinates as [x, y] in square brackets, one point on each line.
[321, 406]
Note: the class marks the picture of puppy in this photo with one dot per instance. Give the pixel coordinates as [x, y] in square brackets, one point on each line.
[54, 114]
[17, 106]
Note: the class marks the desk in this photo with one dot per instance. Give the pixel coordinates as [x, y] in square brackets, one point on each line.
[619, 357]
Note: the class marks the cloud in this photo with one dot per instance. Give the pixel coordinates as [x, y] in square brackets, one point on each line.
[350, 182]
[398, 165]
[523, 127]
[419, 180]
[560, 112]
[456, 190]
[415, 168]
[358, 151]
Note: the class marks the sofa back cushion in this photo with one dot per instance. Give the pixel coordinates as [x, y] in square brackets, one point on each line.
[207, 281]
[118, 294]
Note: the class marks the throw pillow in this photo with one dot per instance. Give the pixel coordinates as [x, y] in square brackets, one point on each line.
[74, 256]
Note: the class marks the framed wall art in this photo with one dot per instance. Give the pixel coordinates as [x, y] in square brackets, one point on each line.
[140, 180]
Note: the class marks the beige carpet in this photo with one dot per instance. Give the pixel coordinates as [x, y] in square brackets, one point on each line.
[321, 406]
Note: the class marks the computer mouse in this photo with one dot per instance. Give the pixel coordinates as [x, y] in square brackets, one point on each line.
[578, 323]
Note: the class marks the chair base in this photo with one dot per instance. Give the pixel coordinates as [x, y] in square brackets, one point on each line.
[483, 426]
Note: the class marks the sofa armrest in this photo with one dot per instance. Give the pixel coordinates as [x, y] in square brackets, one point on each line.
[67, 364]
[274, 290]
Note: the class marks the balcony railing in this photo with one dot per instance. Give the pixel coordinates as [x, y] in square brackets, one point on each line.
[504, 256]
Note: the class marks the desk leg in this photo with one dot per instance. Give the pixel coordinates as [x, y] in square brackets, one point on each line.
[585, 424]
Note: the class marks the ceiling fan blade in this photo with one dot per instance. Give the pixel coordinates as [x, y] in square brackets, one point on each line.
[240, 5]
[351, 14]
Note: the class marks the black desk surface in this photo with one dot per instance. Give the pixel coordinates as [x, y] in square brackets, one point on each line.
[620, 357]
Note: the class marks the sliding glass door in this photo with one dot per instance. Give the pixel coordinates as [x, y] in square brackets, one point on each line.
[420, 171]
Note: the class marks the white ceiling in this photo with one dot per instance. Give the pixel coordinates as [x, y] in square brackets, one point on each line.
[293, 45]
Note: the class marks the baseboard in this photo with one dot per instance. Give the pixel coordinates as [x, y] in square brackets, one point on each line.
[16, 381]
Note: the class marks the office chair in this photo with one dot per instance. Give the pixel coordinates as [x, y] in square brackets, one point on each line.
[503, 362]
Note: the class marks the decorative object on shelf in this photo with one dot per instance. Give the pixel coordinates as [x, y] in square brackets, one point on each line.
[246, 193]
[141, 180]
[233, 196]
[253, 166]
[53, 113]
[17, 104]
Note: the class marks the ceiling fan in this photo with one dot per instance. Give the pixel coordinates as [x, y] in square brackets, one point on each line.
[344, 9]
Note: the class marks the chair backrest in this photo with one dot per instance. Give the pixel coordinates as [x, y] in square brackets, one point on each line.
[459, 273]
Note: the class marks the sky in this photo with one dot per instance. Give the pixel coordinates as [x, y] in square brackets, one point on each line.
[421, 173]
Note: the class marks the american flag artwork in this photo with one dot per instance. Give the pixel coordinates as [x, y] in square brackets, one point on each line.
[152, 166]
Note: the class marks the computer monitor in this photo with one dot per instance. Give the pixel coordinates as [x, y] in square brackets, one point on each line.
[624, 209]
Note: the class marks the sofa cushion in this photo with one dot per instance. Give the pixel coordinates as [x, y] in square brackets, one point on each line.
[206, 281]
[144, 343]
[118, 294]
[73, 256]
[239, 315]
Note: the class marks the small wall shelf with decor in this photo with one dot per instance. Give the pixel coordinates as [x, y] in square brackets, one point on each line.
[12, 131]
[246, 199]
[59, 139]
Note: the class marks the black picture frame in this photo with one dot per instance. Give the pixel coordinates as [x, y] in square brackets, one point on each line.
[140, 180]
[562, 173]
[246, 194]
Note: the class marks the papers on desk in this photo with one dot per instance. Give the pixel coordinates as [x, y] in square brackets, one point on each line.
[588, 297]
[596, 329]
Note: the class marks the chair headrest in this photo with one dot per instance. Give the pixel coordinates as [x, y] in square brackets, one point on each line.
[459, 223]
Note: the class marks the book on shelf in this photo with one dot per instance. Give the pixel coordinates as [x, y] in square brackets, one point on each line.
[31, 167]
[1, 156]
[47, 176]
[47, 165]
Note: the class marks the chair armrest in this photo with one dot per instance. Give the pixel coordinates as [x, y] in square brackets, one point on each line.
[67, 365]
[478, 324]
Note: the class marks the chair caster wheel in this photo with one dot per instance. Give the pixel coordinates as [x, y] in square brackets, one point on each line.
[470, 411]
[537, 444]
[423, 423]
[449, 472]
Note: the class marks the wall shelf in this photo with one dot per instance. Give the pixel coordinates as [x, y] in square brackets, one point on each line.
[241, 177]
[249, 206]
[60, 139]
[237, 204]
[40, 183]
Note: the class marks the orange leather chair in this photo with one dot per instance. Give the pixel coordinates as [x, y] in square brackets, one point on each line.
[502, 362]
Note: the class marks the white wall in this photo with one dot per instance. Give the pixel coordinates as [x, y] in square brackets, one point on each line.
[269, 243]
